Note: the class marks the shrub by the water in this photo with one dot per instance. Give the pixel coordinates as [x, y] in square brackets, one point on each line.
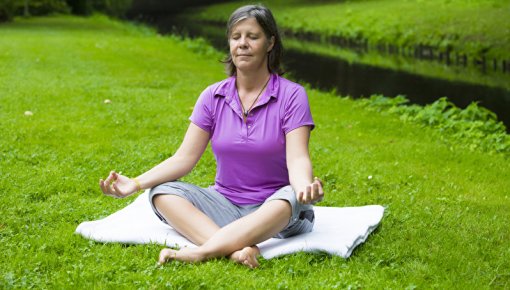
[42, 7]
[6, 10]
[474, 127]
[11, 8]
[115, 8]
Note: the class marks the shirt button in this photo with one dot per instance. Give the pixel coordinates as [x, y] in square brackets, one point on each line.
[249, 127]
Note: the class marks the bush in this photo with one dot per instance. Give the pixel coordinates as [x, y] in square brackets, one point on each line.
[11, 8]
[41, 7]
[115, 8]
[474, 127]
[6, 10]
[80, 7]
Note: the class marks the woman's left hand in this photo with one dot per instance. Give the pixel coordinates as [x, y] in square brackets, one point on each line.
[312, 193]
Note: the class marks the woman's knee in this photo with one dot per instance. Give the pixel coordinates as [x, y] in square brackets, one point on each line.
[164, 200]
[280, 206]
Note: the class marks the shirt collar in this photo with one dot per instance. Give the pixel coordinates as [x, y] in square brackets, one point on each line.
[228, 89]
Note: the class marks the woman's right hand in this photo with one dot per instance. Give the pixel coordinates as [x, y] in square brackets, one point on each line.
[118, 186]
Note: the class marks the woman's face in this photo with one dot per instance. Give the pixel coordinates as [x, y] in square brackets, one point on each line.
[249, 45]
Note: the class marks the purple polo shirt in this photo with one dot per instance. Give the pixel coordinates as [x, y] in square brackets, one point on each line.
[250, 157]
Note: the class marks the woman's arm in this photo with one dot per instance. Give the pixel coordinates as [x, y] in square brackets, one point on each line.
[181, 163]
[308, 190]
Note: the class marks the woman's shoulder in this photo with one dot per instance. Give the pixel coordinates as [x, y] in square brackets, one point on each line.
[289, 89]
[221, 88]
[284, 82]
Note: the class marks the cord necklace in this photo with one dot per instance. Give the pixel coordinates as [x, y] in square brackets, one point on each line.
[246, 112]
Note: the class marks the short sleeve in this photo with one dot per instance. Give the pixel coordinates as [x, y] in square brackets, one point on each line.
[297, 111]
[201, 115]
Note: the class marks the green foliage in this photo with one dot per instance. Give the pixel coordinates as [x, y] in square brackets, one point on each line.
[474, 127]
[7, 9]
[80, 7]
[44, 7]
[41, 7]
[115, 8]
[11, 8]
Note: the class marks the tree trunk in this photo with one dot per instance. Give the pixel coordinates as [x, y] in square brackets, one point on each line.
[26, 10]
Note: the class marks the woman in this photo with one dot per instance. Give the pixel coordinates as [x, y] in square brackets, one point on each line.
[259, 126]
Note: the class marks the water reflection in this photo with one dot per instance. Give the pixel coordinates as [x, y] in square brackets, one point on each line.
[360, 80]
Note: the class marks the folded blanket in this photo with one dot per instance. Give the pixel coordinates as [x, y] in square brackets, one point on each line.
[337, 230]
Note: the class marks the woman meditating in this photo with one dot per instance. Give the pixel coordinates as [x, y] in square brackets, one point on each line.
[259, 126]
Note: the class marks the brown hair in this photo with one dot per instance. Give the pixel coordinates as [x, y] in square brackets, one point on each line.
[266, 20]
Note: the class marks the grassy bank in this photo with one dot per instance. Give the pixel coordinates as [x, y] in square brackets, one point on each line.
[431, 69]
[448, 209]
[475, 28]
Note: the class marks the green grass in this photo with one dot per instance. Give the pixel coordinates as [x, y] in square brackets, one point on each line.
[448, 209]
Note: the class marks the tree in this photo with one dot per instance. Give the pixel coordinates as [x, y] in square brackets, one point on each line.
[26, 10]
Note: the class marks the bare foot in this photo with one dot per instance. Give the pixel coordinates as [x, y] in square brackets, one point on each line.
[247, 257]
[184, 255]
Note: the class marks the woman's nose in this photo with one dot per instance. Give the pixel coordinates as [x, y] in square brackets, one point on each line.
[243, 42]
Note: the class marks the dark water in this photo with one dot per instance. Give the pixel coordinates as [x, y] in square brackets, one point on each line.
[358, 80]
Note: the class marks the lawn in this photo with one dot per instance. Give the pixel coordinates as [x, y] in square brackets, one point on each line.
[447, 208]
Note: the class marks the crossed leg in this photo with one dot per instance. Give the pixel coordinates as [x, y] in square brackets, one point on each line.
[236, 240]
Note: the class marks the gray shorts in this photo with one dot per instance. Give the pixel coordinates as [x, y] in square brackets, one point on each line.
[223, 212]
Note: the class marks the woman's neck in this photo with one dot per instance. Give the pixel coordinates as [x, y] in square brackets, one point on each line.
[248, 82]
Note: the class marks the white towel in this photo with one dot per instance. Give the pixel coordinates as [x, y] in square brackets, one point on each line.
[336, 231]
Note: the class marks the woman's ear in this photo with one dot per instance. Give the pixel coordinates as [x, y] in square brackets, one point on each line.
[271, 44]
